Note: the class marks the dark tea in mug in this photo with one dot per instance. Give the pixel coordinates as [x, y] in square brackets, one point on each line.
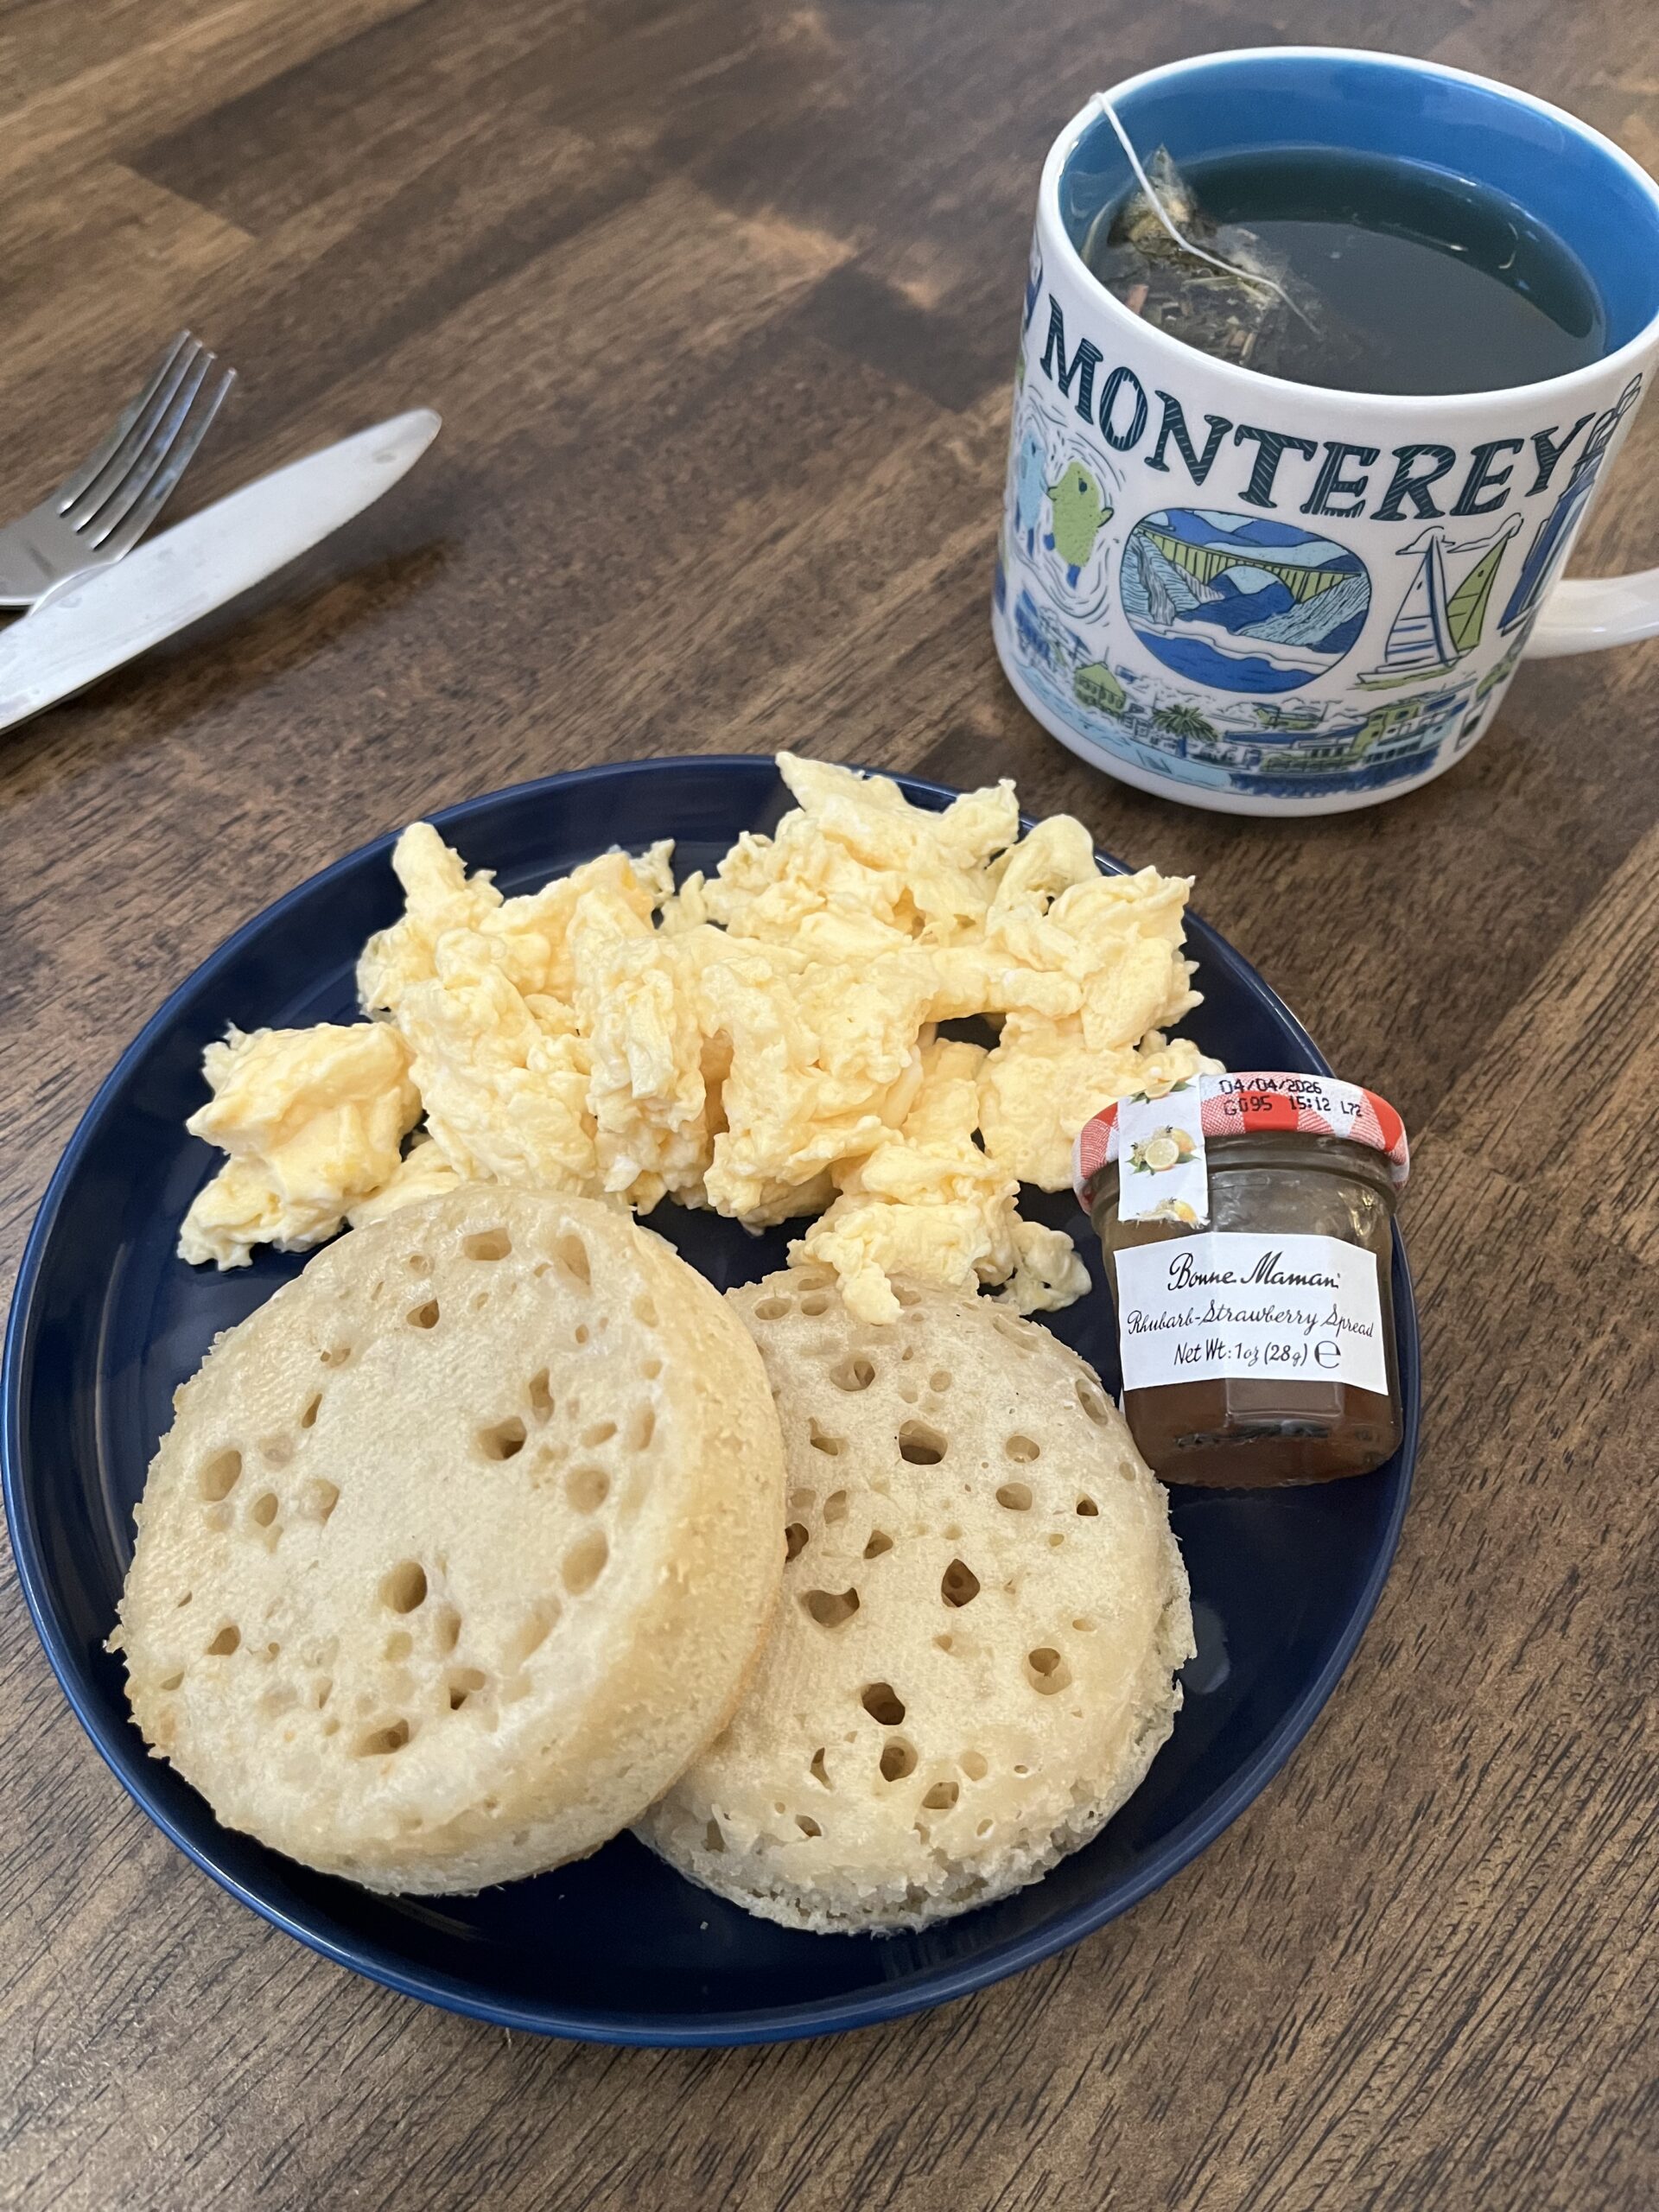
[1358, 272]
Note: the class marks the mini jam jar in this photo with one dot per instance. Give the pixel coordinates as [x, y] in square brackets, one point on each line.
[1246, 1224]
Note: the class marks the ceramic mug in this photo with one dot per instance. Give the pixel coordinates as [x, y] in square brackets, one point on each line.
[1405, 550]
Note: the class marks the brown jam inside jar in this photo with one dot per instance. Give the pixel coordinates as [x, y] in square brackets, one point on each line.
[1256, 1432]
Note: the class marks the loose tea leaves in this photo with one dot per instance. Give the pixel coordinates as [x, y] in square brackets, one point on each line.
[1257, 312]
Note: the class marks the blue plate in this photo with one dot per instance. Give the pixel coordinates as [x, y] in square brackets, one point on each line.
[106, 1323]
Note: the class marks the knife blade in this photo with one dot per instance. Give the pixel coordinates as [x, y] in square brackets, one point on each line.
[91, 624]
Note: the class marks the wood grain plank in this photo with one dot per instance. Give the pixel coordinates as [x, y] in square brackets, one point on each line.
[1561, 1097]
[180, 60]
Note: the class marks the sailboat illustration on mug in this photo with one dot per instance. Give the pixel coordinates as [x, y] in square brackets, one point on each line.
[1432, 628]
[1548, 549]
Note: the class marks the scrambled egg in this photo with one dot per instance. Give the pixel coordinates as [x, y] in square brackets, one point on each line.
[764, 1041]
[926, 1201]
[314, 1121]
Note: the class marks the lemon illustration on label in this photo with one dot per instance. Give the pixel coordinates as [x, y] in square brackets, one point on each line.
[1163, 1149]
[1173, 1210]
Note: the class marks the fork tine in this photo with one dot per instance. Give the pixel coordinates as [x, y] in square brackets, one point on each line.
[72, 487]
[141, 471]
[127, 532]
[109, 479]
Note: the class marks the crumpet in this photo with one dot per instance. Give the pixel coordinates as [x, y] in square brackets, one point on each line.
[460, 1547]
[974, 1661]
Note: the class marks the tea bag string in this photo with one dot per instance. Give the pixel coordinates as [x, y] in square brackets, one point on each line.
[1244, 275]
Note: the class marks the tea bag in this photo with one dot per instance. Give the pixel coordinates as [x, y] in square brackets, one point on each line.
[1215, 285]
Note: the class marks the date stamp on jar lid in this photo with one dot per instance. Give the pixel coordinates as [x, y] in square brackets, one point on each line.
[1208, 1107]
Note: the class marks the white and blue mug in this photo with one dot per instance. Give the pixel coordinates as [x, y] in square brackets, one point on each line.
[1419, 541]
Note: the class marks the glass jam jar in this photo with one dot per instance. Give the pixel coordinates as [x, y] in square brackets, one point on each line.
[1246, 1224]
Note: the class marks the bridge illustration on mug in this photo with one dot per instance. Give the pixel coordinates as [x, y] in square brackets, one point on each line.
[1239, 603]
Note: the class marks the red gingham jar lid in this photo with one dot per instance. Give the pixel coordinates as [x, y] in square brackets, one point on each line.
[1261, 1100]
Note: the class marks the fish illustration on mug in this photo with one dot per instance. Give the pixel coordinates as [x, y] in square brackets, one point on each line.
[1079, 508]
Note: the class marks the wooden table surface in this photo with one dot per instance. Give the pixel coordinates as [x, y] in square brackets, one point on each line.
[718, 302]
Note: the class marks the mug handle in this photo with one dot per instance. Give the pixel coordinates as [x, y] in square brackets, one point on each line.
[1586, 613]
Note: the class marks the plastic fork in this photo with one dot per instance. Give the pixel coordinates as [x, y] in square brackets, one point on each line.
[105, 508]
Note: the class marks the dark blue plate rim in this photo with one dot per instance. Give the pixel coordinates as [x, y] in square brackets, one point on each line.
[782, 2024]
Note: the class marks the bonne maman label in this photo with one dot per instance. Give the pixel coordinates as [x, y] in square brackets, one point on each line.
[1229, 1304]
